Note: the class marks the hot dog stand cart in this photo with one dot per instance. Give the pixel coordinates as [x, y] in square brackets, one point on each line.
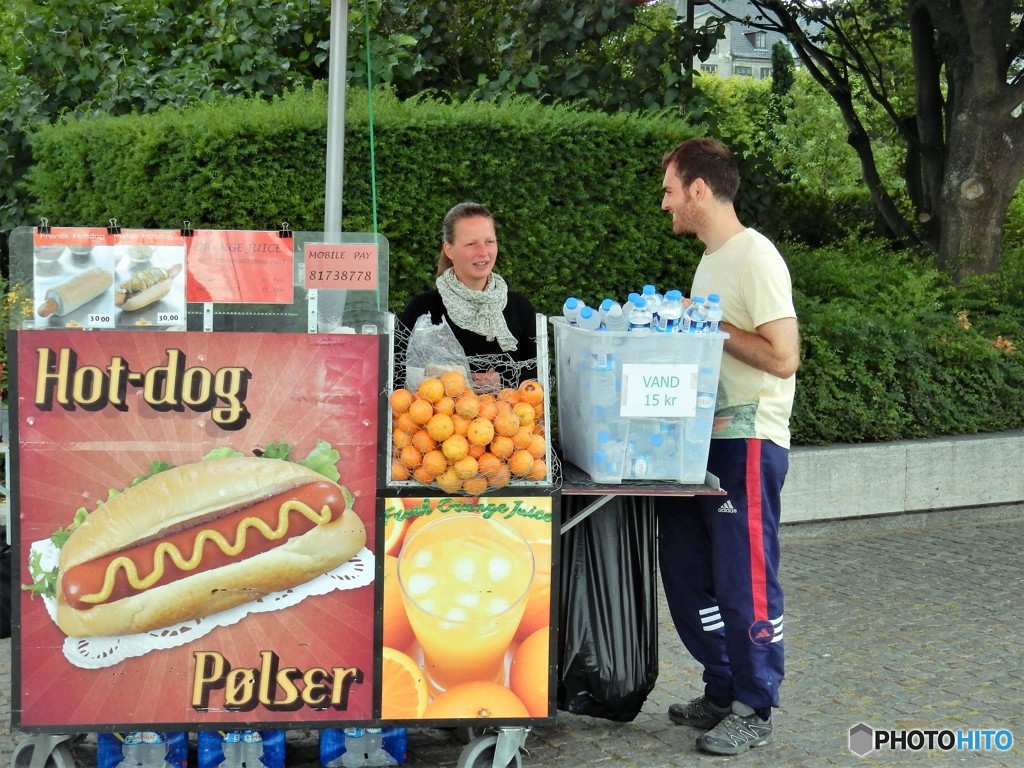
[272, 348]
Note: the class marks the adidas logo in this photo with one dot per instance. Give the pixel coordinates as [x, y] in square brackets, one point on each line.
[764, 634]
[727, 508]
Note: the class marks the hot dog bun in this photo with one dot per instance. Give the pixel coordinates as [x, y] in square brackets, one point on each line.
[173, 499]
[145, 287]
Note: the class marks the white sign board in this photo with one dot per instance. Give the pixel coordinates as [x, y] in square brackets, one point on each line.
[653, 390]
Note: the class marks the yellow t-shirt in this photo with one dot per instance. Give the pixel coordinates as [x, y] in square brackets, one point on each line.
[752, 280]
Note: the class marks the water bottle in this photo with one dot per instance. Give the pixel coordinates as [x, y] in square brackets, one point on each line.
[640, 317]
[603, 380]
[714, 308]
[242, 749]
[638, 461]
[664, 455]
[571, 309]
[144, 748]
[375, 753]
[695, 317]
[630, 303]
[355, 748]
[653, 299]
[613, 450]
[671, 312]
[615, 318]
[589, 319]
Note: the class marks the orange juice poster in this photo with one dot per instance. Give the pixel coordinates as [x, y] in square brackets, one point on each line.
[467, 608]
[196, 527]
[239, 266]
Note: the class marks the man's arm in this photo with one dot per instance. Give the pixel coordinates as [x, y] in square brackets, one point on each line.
[773, 347]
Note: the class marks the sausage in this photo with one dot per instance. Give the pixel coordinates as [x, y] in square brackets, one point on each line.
[145, 287]
[207, 545]
[73, 293]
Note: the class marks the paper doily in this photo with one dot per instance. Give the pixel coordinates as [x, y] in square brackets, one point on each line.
[99, 652]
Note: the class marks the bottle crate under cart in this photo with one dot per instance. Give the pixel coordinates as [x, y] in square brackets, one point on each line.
[636, 406]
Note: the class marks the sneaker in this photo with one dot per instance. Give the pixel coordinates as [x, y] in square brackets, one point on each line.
[701, 712]
[738, 732]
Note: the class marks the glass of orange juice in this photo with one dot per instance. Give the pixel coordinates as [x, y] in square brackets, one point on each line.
[465, 580]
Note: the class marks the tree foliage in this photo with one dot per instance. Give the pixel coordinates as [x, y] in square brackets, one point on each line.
[944, 75]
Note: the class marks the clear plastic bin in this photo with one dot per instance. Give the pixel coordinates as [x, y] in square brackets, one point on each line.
[636, 406]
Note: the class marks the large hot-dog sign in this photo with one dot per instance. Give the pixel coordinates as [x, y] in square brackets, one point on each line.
[196, 526]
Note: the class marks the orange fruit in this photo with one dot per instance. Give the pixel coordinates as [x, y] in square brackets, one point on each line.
[532, 392]
[467, 405]
[476, 451]
[526, 413]
[500, 478]
[398, 470]
[406, 424]
[404, 690]
[445, 405]
[528, 675]
[394, 528]
[420, 411]
[537, 613]
[461, 425]
[455, 447]
[521, 463]
[539, 471]
[397, 629]
[449, 481]
[480, 431]
[488, 407]
[489, 464]
[431, 389]
[477, 699]
[538, 446]
[506, 423]
[521, 439]
[423, 476]
[466, 467]
[502, 446]
[410, 457]
[474, 486]
[399, 440]
[440, 427]
[422, 441]
[509, 395]
[454, 383]
[435, 461]
[400, 399]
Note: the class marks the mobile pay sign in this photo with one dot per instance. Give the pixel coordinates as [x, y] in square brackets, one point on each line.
[659, 390]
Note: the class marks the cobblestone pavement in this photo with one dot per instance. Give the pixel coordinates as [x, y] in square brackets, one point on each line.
[907, 622]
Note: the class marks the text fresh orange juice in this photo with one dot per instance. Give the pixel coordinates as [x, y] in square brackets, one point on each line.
[464, 582]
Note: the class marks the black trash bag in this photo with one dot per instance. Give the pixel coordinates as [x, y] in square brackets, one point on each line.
[6, 604]
[608, 631]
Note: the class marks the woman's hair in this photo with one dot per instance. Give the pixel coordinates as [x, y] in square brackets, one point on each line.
[706, 159]
[457, 213]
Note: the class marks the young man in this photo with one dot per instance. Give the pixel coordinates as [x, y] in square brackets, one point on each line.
[719, 555]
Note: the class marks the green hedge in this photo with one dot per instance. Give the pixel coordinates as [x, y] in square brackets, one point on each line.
[577, 195]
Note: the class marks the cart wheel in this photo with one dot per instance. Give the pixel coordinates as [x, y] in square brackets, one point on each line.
[25, 756]
[479, 753]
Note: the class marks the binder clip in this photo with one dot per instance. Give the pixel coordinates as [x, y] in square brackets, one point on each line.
[284, 231]
[186, 228]
[114, 228]
[44, 225]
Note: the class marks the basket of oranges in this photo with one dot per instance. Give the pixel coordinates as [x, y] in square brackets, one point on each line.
[446, 435]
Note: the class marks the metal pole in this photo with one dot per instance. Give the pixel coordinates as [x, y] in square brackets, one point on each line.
[331, 305]
[336, 117]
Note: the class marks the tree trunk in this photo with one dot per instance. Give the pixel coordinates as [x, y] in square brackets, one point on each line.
[982, 174]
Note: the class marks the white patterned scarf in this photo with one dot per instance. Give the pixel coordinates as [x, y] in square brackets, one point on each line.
[478, 311]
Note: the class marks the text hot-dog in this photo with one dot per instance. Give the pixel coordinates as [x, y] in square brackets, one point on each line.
[201, 538]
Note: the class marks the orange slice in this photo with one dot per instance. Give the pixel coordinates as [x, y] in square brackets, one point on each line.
[403, 687]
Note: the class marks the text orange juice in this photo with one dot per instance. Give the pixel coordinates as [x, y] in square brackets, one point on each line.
[464, 583]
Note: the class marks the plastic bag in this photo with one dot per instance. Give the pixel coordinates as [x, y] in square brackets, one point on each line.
[432, 350]
[608, 659]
